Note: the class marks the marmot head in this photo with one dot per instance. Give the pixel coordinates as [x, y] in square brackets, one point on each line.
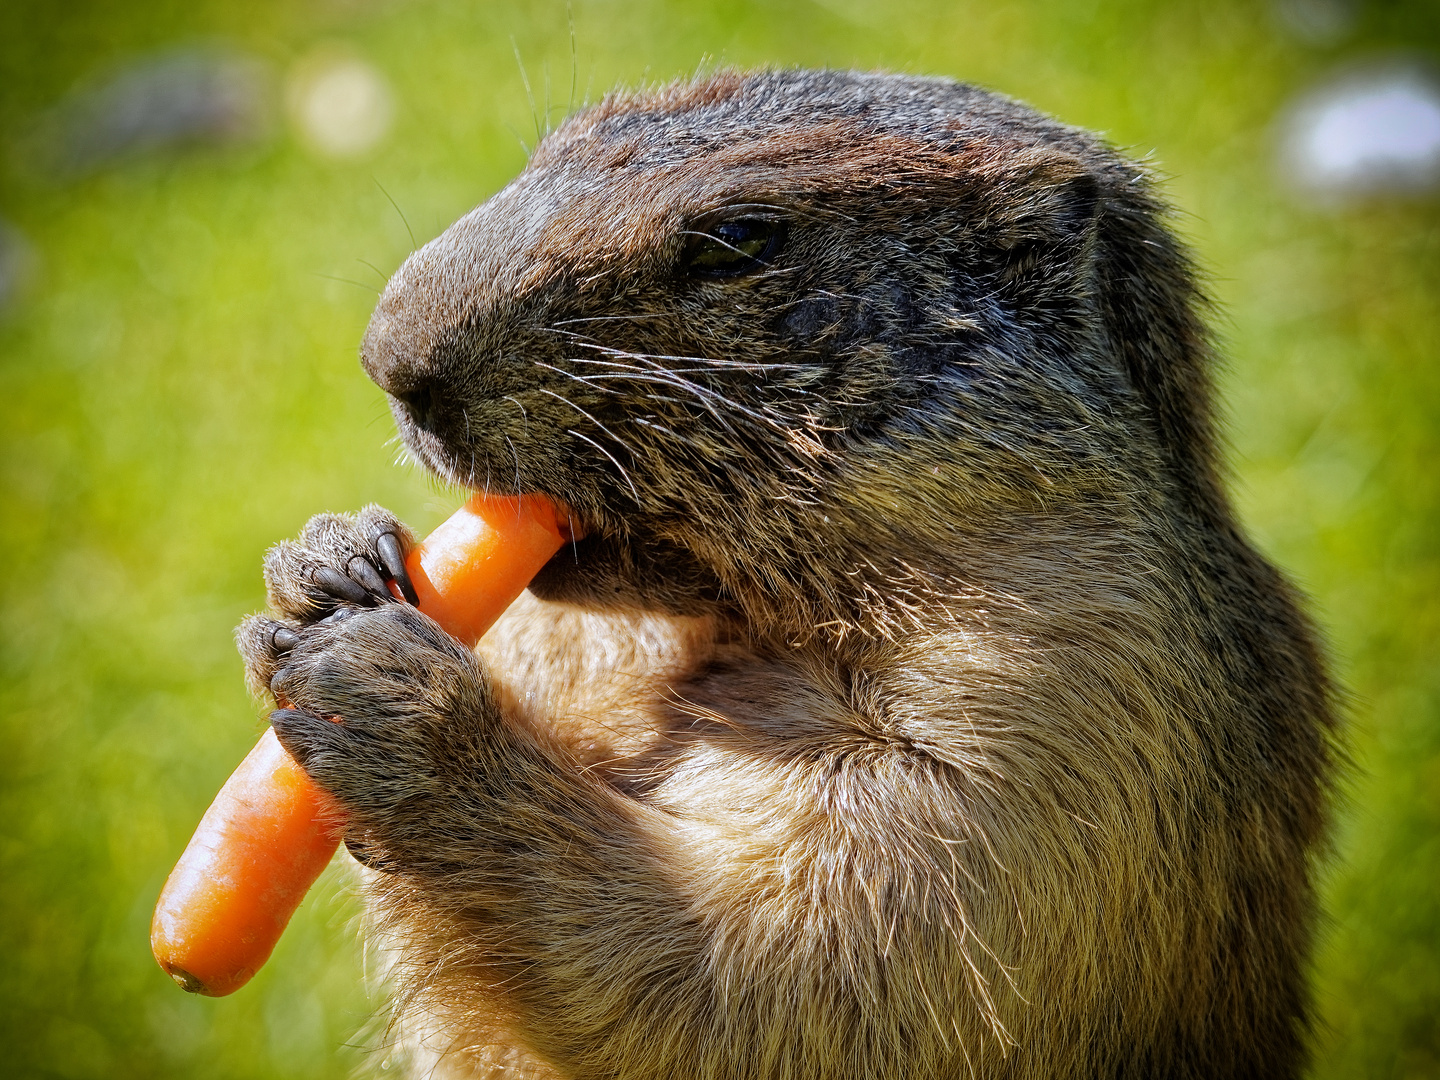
[804, 319]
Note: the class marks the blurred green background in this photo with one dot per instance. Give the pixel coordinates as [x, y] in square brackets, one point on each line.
[179, 388]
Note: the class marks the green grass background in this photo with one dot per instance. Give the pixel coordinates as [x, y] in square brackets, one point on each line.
[179, 388]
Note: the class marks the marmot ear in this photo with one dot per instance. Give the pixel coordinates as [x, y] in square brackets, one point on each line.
[1054, 200]
[1077, 200]
[1048, 221]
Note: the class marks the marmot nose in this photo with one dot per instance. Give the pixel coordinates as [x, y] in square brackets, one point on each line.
[420, 402]
[389, 356]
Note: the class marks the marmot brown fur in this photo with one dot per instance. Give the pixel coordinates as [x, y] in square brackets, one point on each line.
[915, 707]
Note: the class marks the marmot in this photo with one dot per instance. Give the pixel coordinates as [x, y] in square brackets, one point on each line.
[915, 706]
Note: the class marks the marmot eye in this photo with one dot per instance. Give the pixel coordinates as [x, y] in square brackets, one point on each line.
[732, 248]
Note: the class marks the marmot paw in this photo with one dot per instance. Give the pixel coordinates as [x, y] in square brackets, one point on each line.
[340, 561]
[339, 558]
[385, 711]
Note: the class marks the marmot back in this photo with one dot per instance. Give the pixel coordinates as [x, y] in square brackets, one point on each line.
[914, 707]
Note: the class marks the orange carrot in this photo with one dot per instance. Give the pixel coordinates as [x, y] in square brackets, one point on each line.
[471, 568]
[271, 831]
[255, 854]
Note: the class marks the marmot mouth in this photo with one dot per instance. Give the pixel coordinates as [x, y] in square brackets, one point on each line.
[428, 450]
[448, 464]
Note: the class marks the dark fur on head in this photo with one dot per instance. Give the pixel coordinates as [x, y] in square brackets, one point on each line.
[915, 706]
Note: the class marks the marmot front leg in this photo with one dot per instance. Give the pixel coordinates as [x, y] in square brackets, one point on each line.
[340, 647]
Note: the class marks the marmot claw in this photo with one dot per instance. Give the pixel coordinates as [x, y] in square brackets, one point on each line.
[340, 563]
[339, 559]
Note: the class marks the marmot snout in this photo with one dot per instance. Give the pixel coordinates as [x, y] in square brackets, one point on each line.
[915, 706]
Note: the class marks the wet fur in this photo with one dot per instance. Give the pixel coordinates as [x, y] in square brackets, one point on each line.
[915, 707]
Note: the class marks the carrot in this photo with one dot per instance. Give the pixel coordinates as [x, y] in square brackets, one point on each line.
[255, 854]
[271, 831]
